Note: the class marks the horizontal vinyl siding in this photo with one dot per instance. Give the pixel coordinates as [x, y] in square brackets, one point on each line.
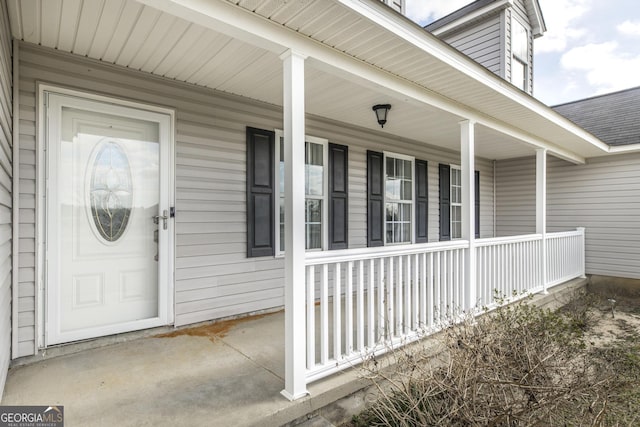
[603, 196]
[481, 42]
[214, 278]
[515, 196]
[6, 183]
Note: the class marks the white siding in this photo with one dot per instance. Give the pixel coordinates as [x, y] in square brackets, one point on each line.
[481, 42]
[214, 278]
[6, 137]
[603, 196]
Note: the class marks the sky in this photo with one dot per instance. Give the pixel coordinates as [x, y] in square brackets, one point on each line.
[591, 47]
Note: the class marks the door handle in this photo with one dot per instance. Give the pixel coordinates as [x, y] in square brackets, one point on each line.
[164, 217]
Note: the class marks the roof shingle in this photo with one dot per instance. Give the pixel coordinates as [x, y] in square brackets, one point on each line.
[613, 118]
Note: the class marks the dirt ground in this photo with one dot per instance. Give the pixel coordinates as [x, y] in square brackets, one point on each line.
[613, 320]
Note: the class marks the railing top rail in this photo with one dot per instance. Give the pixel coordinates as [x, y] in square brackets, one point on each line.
[508, 239]
[560, 234]
[345, 255]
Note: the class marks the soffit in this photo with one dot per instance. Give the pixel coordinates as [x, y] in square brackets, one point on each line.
[140, 37]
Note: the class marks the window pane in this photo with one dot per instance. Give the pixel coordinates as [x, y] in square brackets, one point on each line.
[314, 180]
[314, 233]
[406, 232]
[314, 211]
[391, 171]
[314, 171]
[518, 74]
[396, 233]
[518, 40]
[390, 214]
[392, 189]
[389, 234]
[406, 213]
[406, 169]
[407, 190]
[314, 153]
[282, 223]
[281, 237]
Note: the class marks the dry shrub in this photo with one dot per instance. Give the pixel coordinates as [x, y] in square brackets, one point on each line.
[517, 366]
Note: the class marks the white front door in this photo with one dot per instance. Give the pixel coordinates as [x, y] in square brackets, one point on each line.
[108, 227]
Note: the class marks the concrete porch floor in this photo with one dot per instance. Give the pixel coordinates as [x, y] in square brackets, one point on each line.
[222, 374]
[225, 374]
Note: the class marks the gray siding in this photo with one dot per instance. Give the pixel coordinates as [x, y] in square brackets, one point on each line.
[515, 196]
[603, 196]
[480, 41]
[6, 138]
[214, 278]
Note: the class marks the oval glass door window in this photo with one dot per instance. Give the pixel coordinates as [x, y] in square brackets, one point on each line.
[111, 191]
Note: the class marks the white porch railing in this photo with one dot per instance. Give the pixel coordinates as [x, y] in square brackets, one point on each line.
[366, 301]
[507, 266]
[565, 256]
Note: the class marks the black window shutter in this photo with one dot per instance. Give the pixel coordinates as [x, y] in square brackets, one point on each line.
[375, 198]
[338, 197]
[422, 199]
[445, 202]
[260, 194]
[477, 189]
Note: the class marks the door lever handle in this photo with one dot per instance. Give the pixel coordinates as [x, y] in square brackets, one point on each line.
[164, 217]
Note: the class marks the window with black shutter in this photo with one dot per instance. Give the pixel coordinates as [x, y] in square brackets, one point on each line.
[451, 202]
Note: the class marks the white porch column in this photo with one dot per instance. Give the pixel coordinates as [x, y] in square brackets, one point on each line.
[294, 261]
[467, 160]
[541, 210]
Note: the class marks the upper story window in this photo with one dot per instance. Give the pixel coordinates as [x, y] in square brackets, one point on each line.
[519, 54]
[398, 198]
[315, 184]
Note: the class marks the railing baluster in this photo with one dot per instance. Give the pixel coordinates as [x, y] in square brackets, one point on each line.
[398, 298]
[455, 299]
[381, 300]
[435, 302]
[423, 291]
[370, 305]
[348, 310]
[324, 314]
[360, 303]
[407, 295]
[415, 319]
[311, 317]
[390, 321]
[479, 272]
[430, 276]
[337, 315]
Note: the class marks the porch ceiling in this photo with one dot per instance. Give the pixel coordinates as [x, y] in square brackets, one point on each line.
[141, 37]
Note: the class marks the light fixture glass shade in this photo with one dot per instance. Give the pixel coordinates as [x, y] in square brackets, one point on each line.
[381, 111]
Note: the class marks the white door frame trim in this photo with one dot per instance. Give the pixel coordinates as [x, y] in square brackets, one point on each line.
[168, 306]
